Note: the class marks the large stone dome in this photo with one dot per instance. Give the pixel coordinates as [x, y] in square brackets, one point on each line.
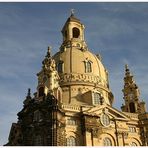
[82, 74]
[74, 63]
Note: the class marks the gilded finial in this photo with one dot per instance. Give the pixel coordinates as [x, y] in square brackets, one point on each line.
[72, 12]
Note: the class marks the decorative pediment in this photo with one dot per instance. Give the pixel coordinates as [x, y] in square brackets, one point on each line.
[112, 112]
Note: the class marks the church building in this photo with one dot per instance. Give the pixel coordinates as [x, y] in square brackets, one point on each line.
[73, 102]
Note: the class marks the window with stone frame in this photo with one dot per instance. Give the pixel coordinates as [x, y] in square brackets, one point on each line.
[88, 66]
[71, 141]
[60, 66]
[76, 32]
[41, 91]
[107, 142]
[37, 140]
[37, 116]
[97, 98]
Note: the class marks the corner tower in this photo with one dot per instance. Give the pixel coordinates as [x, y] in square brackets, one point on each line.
[132, 95]
[82, 74]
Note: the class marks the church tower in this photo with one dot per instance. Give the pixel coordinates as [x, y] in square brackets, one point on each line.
[41, 121]
[73, 103]
[132, 95]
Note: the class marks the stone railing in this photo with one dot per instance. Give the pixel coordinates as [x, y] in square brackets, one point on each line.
[86, 78]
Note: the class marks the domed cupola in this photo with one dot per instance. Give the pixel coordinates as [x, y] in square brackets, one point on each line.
[73, 31]
[83, 78]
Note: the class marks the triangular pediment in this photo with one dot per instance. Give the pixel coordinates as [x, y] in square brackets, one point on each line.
[112, 112]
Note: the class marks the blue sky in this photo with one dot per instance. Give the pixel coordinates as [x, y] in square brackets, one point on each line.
[118, 31]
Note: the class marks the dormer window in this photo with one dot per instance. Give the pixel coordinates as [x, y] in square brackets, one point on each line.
[88, 67]
[97, 99]
[76, 32]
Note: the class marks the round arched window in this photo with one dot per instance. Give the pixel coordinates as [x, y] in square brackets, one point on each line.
[133, 144]
[41, 91]
[107, 142]
[132, 107]
[76, 32]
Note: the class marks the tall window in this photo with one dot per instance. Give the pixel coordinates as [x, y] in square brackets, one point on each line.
[88, 67]
[97, 99]
[132, 107]
[71, 141]
[41, 91]
[37, 115]
[37, 140]
[76, 32]
[107, 142]
[60, 67]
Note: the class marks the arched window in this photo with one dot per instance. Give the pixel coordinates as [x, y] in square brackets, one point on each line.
[37, 140]
[76, 32]
[60, 67]
[71, 141]
[66, 34]
[41, 91]
[107, 142]
[132, 107]
[37, 115]
[133, 144]
[88, 67]
[97, 98]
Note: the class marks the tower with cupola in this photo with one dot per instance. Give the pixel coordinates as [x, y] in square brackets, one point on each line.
[131, 92]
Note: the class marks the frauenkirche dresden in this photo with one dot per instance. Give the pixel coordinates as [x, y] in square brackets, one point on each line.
[73, 102]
